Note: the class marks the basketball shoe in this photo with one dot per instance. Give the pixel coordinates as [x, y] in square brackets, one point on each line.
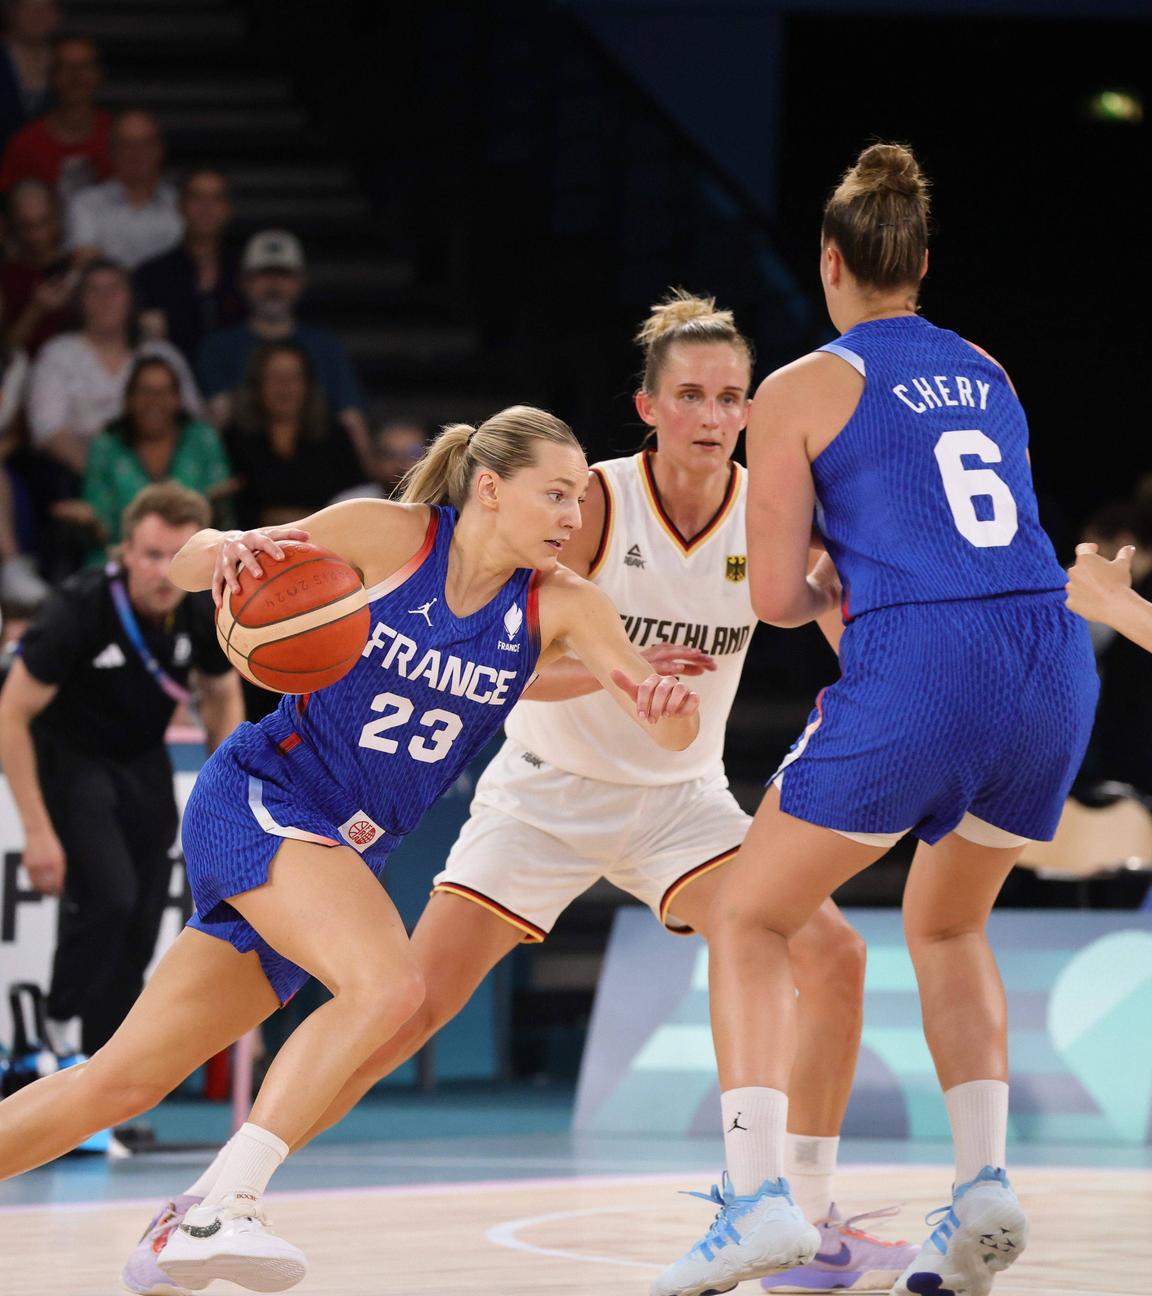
[750, 1237]
[848, 1259]
[978, 1236]
[142, 1274]
[230, 1239]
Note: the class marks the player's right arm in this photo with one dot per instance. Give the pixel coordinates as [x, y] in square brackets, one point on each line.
[21, 701]
[375, 536]
[577, 617]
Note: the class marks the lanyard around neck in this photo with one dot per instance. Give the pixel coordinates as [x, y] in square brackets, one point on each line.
[136, 637]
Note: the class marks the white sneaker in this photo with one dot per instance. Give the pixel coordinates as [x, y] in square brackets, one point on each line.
[750, 1237]
[980, 1234]
[231, 1239]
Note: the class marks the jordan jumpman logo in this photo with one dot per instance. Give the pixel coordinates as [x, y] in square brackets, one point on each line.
[736, 1124]
[423, 611]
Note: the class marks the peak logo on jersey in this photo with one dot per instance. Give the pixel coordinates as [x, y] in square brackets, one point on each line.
[109, 657]
[736, 567]
[443, 671]
[359, 831]
[634, 558]
[513, 620]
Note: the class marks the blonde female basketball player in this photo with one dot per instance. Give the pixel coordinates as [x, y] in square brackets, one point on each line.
[575, 794]
[962, 713]
[291, 820]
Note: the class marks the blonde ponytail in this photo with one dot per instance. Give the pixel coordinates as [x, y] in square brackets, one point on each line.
[503, 444]
[683, 317]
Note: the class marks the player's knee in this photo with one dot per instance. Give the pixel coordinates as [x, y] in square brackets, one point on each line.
[731, 923]
[834, 960]
[384, 998]
[924, 930]
[117, 1091]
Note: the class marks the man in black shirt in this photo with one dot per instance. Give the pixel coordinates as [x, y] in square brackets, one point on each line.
[82, 719]
[194, 289]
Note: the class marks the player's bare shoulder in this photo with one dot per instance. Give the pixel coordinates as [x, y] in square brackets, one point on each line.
[377, 536]
[567, 600]
[810, 399]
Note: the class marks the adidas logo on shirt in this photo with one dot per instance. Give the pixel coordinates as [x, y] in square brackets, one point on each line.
[109, 657]
[633, 558]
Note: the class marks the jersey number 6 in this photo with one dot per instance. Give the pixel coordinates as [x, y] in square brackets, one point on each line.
[964, 485]
[445, 726]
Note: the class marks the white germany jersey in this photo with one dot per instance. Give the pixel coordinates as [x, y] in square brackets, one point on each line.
[668, 590]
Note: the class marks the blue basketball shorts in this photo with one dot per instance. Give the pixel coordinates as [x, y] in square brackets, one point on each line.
[970, 716]
[251, 796]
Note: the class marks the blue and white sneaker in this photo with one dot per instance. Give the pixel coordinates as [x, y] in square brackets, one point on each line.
[977, 1237]
[750, 1237]
[142, 1274]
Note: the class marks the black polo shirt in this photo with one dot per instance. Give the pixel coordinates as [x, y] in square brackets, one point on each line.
[108, 703]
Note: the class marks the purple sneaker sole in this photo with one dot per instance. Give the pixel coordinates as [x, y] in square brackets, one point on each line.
[848, 1260]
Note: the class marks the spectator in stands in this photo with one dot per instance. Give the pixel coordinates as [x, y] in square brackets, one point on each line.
[273, 281]
[21, 586]
[154, 440]
[194, 289]
[1121, 749]
[25, 58]
[82, 720]
[134, 215]
[398, 444]
[288, 455]
[78, 380]
[38, 281]
[69, 148]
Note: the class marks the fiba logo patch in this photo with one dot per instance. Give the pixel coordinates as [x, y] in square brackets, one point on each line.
[736, 567]
[513, 620]
[361, 832]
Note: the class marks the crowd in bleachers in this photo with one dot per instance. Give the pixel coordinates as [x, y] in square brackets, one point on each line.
[142, 338]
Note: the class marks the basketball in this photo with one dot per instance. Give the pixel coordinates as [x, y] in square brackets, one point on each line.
[299, 627]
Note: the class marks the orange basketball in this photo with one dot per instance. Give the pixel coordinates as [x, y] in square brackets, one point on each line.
[299, 627]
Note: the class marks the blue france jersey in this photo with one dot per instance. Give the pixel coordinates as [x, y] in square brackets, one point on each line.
[926, 493]
[429, 691]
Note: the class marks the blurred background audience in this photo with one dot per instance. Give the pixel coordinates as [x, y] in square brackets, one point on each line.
[134, 215]
[273, 283]
[69, 147]
[25, 55]
[194, 288]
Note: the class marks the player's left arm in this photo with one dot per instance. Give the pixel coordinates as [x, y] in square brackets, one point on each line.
[1099, 590]
[221, 704]
[576, 616]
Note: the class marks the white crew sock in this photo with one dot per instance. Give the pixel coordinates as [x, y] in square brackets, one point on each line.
[978, 1114]
[809, 1164]
[207, 1181]
[251, 1158]
[755, 1121]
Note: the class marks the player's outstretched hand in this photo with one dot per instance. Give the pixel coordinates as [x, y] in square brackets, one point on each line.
[238, 549]
[1094, 583]
[658, 696]
[676, 659]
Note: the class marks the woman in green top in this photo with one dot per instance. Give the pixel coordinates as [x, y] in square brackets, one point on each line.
[154, 440]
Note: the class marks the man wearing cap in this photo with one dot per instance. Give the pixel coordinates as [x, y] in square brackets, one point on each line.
[272, 281]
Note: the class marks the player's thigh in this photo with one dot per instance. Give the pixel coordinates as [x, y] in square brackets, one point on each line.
[952, 887]
[202, 997]
[324, 909]
[784, 871]
[456, 944]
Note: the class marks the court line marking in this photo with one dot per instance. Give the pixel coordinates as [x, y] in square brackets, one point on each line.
[505, 1235]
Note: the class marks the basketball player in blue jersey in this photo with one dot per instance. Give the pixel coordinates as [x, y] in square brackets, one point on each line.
[291, 820]
[962, 714]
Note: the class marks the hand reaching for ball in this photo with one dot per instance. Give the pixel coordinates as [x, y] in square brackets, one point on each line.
[241, 549]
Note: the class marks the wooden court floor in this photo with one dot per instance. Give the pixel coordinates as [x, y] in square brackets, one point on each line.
[1091, 1235]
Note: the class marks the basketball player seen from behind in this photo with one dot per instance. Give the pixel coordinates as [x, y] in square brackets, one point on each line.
[963, 709]
[575, 795]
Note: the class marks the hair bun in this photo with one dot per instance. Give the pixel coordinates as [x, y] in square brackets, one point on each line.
[677, 309]
[889, 166]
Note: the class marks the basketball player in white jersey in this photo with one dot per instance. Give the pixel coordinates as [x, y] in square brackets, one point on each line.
[572, 796]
